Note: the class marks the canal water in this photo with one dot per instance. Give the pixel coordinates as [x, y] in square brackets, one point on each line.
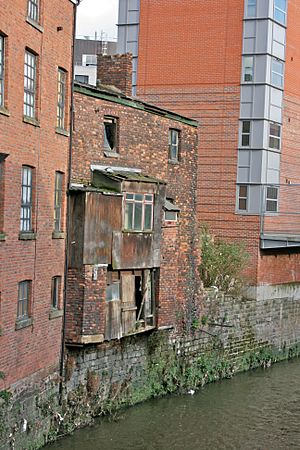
[257, 410]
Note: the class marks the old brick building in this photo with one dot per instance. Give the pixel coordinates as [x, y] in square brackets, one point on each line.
[35, 86]
[132, 259]
[233, 66]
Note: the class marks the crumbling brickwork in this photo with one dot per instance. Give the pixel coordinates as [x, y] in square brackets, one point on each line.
[116, 70]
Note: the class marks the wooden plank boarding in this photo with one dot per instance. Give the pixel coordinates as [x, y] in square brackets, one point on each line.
[128, 303]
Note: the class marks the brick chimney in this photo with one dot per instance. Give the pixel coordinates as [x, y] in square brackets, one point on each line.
[116, 70]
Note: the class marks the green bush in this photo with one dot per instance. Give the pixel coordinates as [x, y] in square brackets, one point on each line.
[222, 263]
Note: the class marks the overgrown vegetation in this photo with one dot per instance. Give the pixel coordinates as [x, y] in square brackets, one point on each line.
[222, 263]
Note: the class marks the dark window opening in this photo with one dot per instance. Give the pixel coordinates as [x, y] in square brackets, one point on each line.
[23, 310]
[82, 79]
[55, 292]
[130, 305]
[110, 134]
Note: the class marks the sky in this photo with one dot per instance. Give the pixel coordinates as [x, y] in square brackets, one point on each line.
[96, 16]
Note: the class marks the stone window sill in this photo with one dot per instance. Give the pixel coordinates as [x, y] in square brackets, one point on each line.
[58, 235]
[23, 323]
[4, 111]
[55, 313]
[109, 154]
[27, 236]
[62, 132]
[35, 24]
[31, 121]
[2, 236]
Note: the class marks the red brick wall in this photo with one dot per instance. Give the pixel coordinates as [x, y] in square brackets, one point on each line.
[30, 349]
[196, 71]
[143, 143]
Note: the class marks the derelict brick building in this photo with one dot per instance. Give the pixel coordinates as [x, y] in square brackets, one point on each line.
[132, 260]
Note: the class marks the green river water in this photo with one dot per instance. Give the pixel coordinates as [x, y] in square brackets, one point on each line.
[256, 410]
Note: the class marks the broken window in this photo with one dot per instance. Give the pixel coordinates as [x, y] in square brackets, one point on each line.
[110, 134]
[138, 212]
[171, 211]
[130, 303]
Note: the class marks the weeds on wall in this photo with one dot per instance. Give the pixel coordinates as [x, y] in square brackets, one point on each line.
[222, 263]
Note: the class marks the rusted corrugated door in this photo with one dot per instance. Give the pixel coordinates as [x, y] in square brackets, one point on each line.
[128, 303]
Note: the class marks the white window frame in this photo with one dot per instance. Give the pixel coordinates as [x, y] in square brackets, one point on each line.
[33, 10]
[275, 75]
[273, 137]
[132, 198]
[271, 200]
[30, 71]
[282, 12]
[2, 69]
[26, 200]
[246, 72]
[251, 8]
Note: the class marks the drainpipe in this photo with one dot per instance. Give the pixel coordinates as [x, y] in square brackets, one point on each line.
[71, 122]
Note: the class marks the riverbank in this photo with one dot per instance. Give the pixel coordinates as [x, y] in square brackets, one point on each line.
[231, 335]
[254, 410]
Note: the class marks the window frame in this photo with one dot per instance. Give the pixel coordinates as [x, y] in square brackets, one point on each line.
[281, 11]
[26, 200]
[30, 85]
[174, 157]
[250, 7]
[274, 137]
[2, 70]
[33, 10]
[245, 73]
[24, 299]
[58, 201]
[275, 75]
[244, 198]
[56, 284]
[61, 98]
[246, 133]
[133, 201]
[106, 145]
[271, 200]
[86, 77]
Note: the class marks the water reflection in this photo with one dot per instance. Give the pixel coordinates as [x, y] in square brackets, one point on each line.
[259, 410]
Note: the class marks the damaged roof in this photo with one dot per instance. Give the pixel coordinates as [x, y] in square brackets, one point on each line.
[109, 180]
[111, 94]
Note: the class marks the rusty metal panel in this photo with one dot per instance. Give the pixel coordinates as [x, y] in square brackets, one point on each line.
[132, 251]
[77, 214]
[113, 326]
[103, 217]
[128, 303]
